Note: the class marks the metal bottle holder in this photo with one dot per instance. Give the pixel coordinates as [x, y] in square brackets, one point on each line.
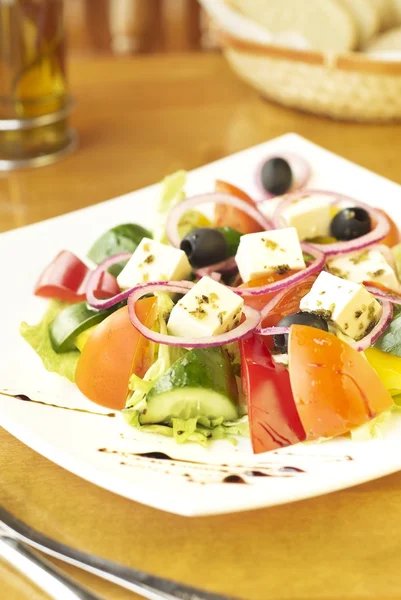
[46, 155]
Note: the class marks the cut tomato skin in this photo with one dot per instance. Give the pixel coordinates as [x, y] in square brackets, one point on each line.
[65, 279]
[394, 236]
[273, 417]
[334, 387]
[228, 216]
[288, 304]
[115, 350]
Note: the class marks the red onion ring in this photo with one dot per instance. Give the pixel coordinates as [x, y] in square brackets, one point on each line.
[275, 286]
[95, 277]
[213, 275]
[300, 168]
[362, 344]
[378, 233]
[251, 322]
[225, 266]
[272, 330]
[369, 340]
[181, 208]
[266, 310]
[381, 295]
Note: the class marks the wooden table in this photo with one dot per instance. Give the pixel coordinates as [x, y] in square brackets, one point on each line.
[138, 120]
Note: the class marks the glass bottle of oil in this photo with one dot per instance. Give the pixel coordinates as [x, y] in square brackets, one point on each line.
[34, 101]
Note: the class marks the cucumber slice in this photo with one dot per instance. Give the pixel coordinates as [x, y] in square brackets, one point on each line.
[200, 383]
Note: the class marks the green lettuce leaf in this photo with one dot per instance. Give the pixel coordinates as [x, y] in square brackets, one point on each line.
[172, 193]
[390, 340]
[199, 430]
[38, 338]
[165, 356]
[371, 429]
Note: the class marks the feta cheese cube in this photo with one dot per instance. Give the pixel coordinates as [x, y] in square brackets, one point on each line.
[349, 305]
[310, 215]
[209, 308]
[268, 252]
[153, 261]
[366, 265]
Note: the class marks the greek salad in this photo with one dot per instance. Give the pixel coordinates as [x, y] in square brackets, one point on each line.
[275, 317]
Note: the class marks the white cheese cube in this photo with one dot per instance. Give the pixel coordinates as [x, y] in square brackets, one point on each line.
[153, 261]
[349, 305]
[209, 308]
[268, 252]
[310, 215]
[366, 265]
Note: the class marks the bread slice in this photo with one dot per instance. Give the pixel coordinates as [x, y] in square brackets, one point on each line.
[387, 42]
[397, 12]
[366, 19]
[386, 11]
[325, 24]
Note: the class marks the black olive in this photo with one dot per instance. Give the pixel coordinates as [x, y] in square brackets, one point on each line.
[204, 246]
[276, 176]
[350, 223]
[298, 318]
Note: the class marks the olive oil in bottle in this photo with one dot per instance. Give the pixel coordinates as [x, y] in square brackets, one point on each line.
[34, 101]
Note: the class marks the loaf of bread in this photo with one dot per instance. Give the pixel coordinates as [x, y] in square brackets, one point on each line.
[390, 41]
[326, 25]
[386, 13]
[366, 17]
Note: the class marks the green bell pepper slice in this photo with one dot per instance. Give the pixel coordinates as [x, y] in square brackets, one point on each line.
[232, 237]
[72, 321]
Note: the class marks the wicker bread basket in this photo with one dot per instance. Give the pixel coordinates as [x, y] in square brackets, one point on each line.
[350, 87]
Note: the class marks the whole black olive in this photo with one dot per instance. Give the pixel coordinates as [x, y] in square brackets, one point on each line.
[298, 318]
[204, 246]
[350, 223]
[276, 176]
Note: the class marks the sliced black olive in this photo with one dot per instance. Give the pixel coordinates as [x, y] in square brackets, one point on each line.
[350, 223]
[298, 318]
[204, 246]
[276, 176]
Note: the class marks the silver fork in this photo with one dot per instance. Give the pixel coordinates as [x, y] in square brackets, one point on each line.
[16, 536]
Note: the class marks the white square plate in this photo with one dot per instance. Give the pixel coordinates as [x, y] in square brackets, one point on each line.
[187, 480]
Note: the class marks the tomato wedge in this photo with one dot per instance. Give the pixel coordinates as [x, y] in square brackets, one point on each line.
[65, 278]
[273, 418]
[334, 387]
[114, 350]
[227, 216]
[393, 237]
[258, 302]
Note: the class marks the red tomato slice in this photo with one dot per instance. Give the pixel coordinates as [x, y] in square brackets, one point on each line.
[227, 216]
[65, 278]
[261, 300]
[393, 237]
[383, 288]
[273, 418]
[114, 350]
[334, 387]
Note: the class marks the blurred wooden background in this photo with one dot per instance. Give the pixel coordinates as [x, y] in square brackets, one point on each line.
[129, 26]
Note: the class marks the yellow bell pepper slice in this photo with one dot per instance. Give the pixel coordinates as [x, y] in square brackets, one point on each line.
[83, 337]
[388, 368]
